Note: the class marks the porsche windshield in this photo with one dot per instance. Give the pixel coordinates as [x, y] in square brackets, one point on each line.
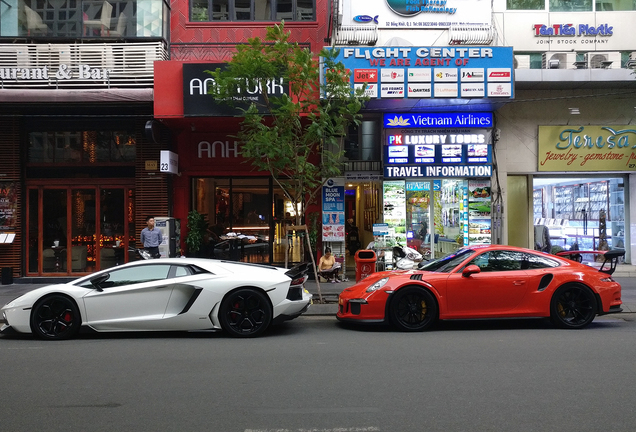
[448, 262]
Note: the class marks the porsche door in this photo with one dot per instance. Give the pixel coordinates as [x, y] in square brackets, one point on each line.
[132, 298]
[499, 288]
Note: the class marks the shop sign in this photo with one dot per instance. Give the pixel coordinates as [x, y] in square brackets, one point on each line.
[333, 218]
[362, 176]
[8, 206]
[587, 148]
[438, 120]
[415, 171]
[416, 14]
[197, 101]
[444, 68]
[168, 162]
[61, 73]
[542, 30]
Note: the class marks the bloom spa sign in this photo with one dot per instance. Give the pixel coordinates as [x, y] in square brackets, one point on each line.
[587, 148]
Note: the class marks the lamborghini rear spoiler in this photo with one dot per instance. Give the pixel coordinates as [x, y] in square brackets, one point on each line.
[298, 271]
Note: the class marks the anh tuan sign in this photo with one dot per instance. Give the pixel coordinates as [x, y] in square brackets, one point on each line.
[587, 148]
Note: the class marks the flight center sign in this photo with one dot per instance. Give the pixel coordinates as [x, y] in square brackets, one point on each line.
[430, 72]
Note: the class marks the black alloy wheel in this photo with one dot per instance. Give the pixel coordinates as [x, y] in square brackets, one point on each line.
[413, 309]
[55, 317]
[573, 307]
[245, 313]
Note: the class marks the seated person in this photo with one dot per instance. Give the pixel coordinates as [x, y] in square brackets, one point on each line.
[328, 267]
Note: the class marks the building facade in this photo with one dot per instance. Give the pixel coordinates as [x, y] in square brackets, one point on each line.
[572, 83]
[77, 172]
[214, 179]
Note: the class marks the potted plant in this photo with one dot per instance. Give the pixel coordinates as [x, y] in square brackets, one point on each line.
[197, 233]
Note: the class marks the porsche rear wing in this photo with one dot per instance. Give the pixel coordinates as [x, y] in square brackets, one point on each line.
[610, 256]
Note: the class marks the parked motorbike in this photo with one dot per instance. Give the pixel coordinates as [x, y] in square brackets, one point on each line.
[403, 257]
[141, 253]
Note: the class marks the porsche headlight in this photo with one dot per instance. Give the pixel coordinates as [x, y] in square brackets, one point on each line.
[379, 284]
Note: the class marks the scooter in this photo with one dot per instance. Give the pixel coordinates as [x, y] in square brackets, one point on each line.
[405, 258]
[141, 253]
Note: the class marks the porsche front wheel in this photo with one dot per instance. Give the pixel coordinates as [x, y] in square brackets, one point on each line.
[573, 307]
[245, 313]
[55, 317]
[413, 309]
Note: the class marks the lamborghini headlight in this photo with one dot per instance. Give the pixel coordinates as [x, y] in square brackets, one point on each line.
[379, 284]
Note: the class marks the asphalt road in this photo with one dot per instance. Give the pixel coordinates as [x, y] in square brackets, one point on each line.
[312, 374]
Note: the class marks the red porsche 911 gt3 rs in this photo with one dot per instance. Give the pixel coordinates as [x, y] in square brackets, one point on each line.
[493, 281]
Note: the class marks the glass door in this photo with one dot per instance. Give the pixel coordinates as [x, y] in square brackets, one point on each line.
[78, 230]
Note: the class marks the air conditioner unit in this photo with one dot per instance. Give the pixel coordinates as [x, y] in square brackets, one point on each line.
[95, 55]
[139, 60]
[522, 61]
[51, 55]
[604, 60]
[631, 63]
[558, 60]
[14, 56]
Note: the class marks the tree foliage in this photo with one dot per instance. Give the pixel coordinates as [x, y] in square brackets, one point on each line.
[283, 134]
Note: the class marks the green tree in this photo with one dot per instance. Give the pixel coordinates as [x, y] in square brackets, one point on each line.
[283, 134]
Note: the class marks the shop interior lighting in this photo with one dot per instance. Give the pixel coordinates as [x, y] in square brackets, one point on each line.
[574, 111]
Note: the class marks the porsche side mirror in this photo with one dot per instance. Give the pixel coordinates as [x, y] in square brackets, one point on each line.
[471, 269]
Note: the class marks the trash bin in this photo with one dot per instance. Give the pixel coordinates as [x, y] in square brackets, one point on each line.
[7, 275]
[365, 263]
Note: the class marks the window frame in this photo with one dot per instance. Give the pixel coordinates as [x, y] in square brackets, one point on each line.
[231, 12]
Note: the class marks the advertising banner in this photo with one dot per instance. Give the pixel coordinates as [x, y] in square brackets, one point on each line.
[416, 14]
[587, 148]
[8, 206]
[333, 216]
[431, 72]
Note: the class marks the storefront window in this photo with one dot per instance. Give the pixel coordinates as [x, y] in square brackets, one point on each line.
[88, 147]
[525, 4]
[579, 214]
[240, 215]
[570, 5]
[615, 5]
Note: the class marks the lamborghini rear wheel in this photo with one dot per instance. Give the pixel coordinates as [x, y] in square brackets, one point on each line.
[573, 306]
[413, 309]
[245, 313]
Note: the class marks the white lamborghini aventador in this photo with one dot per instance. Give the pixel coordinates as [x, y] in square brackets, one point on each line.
[181, 294]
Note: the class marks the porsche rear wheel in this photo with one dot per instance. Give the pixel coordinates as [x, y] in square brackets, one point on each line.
[573, 307]
[55, 317]
[413, 309]
[245, 313]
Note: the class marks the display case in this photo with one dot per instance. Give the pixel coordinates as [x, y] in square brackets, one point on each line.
[563, 202]
[537, 202]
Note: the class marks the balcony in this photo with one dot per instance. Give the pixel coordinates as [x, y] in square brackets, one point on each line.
[85, 19]
[79, 66]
